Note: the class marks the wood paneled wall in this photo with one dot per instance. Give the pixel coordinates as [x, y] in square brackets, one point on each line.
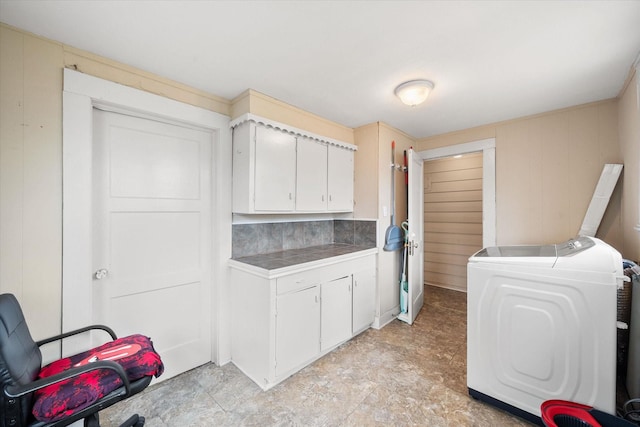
[452, 218]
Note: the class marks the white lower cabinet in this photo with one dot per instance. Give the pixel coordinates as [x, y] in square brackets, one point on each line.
[364, 299]
[297, 328]
[282, 322]
[336, 312]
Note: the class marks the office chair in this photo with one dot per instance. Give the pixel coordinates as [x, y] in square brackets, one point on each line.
[72, 388]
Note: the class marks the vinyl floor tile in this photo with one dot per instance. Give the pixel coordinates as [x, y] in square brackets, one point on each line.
[400, 375]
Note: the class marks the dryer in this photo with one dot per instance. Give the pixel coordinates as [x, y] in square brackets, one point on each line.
[541, 325]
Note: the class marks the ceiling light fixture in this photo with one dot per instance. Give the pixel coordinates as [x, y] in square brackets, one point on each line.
[414, 92]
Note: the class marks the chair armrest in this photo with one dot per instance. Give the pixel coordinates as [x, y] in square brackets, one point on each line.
[76, 332]
[18, 390]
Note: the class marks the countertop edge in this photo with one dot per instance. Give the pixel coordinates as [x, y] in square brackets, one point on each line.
[283, 271]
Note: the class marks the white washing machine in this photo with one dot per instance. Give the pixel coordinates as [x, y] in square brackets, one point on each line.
[541, 325]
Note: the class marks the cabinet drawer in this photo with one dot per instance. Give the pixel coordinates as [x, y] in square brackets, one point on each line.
[295, 282]
[314, 276]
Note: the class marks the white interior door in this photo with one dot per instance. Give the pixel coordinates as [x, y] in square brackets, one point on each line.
[415, 259]
[152, 235]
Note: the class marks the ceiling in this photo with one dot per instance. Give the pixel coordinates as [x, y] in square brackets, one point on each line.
[489, 60]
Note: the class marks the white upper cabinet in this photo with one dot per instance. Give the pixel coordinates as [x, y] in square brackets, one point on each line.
[275, 170]
[340, 179]
[311, 175]
[280, 169]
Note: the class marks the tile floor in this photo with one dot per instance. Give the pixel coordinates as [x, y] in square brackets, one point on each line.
[399, 376]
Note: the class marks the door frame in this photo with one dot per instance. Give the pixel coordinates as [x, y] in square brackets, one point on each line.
[488, 149]
[82, 93]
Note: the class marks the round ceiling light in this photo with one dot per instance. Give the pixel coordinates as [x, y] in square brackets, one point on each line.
[414, 92]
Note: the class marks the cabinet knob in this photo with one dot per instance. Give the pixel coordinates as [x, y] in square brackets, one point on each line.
[101, 274]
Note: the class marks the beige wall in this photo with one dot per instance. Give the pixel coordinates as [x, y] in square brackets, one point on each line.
[365, 194]
[251, 101]
[542, 193]
[31, 177]
[403, 142]
[31, 86]
[629, 132]
[373, 197]
[547, 167]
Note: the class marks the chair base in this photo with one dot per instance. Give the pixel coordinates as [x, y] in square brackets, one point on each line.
[133, 421]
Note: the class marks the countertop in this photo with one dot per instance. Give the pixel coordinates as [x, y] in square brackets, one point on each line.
[283, 262]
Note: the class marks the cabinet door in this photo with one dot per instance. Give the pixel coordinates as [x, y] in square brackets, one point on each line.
[275, 170]
[297, 329]
[340, 179]
[336, 312]
[311, 174]
[364, 295]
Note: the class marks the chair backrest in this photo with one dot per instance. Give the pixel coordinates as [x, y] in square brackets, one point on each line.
[20, 357]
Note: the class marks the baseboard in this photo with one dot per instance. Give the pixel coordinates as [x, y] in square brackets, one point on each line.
[385, 318]
[451, 288]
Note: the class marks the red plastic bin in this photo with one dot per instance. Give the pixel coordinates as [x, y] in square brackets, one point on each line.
[562, 413]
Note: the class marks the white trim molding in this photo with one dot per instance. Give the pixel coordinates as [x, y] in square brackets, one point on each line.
[637, 66]
[82, 94]
[248, 117]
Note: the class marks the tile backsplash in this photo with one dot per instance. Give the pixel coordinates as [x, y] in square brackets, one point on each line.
[254, 239]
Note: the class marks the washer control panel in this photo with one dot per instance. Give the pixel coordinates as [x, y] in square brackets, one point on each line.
[574, 246]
